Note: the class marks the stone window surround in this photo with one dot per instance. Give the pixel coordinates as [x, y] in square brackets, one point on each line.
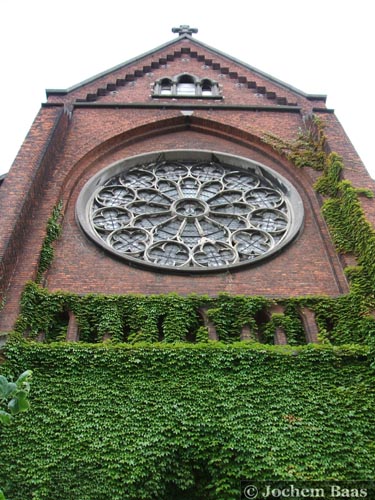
[293, 216]
[200, 84]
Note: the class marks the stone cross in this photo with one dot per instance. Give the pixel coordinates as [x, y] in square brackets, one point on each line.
[184, 29]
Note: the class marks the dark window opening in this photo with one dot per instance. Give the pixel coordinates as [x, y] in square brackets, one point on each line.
[186, 85]
[206, 87]
[166, 87]
[261, 319]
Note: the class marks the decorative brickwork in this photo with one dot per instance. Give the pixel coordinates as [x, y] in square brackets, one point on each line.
[114, 116]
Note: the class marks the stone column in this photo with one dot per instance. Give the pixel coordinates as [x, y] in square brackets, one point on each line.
[279, 336]
[248, 334]
[309, 325]
[212, 334]
[72, 333]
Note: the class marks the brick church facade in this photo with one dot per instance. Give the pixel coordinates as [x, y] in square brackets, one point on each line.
[183, 98]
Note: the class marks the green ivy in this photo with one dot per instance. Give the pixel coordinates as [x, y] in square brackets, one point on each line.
[232, 313]
[14, 396]
[307, 150]
[327, 184]
[290, 324]
[185, 421]
[52, 233]
[349, 317]
[146, 416]
[172, 318]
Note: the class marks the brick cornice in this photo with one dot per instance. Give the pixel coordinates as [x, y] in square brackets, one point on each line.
[179, 105]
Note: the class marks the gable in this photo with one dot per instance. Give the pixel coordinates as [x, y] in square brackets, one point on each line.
[134, 81]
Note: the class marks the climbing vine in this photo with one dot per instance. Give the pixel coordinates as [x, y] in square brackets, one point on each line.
[288, 321]
[350, 316]
[135, 318]
[134, 411]
[52, 233]
[231, 313]
[307, 150]
[172, 318]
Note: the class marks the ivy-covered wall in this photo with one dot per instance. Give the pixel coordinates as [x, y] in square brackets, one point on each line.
[173, 420]
[174, 318]
[351, 232]
[346, 319]
[187, 422]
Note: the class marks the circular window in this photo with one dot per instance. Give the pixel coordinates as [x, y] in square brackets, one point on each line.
[190, 211]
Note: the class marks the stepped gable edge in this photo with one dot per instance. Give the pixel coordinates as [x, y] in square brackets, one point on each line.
[127, 72]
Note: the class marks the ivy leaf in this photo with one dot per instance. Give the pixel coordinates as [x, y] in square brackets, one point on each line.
[13, 406]
[19, 403]
[5, 419]
[3, 387]
[23, 402]
[24, 377]
[6, 388]
[23, 381]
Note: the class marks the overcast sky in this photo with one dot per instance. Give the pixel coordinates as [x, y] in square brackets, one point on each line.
[319, 47]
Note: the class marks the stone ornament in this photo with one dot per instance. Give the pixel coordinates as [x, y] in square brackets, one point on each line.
[190, 211]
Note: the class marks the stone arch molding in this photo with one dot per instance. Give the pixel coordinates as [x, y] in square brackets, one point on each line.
[190, 211]
[185, 121]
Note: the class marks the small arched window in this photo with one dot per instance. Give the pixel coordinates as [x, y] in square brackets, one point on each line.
[206, 87]
[166, 86]
[186, 85]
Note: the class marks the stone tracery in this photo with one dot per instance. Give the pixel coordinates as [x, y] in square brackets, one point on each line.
[191, 214]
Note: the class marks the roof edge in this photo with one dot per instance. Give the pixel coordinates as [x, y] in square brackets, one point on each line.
[263, 73]
[311, 97]
[92, 79]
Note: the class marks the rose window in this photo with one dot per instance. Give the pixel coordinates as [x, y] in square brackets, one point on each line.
[190, 211]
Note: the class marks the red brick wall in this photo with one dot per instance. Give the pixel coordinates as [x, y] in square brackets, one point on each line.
[307, 266]
[184, 56]
[23, 189]
[63, 151]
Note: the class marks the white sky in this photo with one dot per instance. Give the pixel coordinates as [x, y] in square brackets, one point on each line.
[319, 47]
